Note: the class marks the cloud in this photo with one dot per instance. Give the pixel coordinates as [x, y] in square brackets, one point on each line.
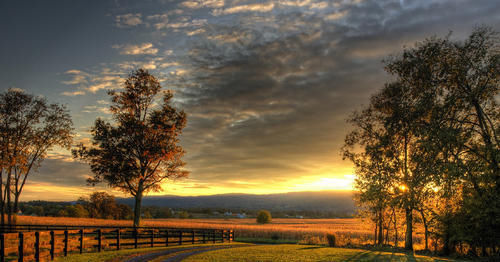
[203, 4]
[74, 93]
[335, 15]
[160, 21]
[76, 77]
[128, 20]
[258, 7]
[17, 89]
[267, 89]
[141, 49]
[105, 81]
[195, 32]
[96, 109]
[192, 23]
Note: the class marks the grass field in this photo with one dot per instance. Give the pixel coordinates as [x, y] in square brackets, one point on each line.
[116, 256]
[303, 253]
[349, 232]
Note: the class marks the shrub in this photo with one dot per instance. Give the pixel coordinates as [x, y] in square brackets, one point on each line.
[331, 240]
[311, 240]
[275, 236]
[263, 217]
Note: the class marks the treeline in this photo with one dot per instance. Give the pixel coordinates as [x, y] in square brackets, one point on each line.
[427, 147]
[104, 206]
[97, 205]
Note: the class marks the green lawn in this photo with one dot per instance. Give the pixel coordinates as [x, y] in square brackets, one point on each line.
[118, 255]
[302, 253]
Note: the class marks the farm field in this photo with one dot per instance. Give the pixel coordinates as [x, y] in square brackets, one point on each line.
[348, 232]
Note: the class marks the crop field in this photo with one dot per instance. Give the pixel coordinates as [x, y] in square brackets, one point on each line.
[348, 232]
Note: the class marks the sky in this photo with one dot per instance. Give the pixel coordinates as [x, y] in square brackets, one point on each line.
[266, 85]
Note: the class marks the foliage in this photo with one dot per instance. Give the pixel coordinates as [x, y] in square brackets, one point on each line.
[331, 240]
[29, 128]
[428, 142]
[104, 205]
[140, 149]
[263, 217]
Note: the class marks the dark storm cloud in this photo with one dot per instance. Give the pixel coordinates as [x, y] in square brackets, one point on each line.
[273, 103]
[267, 85]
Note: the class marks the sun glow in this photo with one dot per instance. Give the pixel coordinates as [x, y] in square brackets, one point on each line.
[325, 183]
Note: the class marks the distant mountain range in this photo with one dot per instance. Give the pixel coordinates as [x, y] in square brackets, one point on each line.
[330, 201]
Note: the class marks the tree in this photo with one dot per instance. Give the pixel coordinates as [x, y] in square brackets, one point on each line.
[264, 217]
[461, 130]
[440, 121]
[374, 180]
[29, 128]
[140, 150]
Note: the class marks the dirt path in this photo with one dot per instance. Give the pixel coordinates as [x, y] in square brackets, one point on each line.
[183, 255]
[183, 252]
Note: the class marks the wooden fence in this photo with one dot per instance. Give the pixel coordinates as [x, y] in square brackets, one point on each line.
[45, 245]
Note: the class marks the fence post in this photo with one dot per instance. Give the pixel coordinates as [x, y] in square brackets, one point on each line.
[180, 237]
[52, 244]
[166, 236]
[204, 234]
[66, 242]
[2, 247]
[21, 247]
[222, 233]
[81, 240]
[118, 239]
[192, 240]
[99, 240]
[37, 246]
[213, 235]
[135, 237]
[152, 237]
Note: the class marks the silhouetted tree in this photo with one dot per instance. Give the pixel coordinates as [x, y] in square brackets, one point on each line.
[441, 120]
[140, 149]
[461, 132]
[29, 128]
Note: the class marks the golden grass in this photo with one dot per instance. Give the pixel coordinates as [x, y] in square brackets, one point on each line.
[349, 231]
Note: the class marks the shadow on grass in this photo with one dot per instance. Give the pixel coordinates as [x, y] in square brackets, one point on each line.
[305, 248]
[377, 256]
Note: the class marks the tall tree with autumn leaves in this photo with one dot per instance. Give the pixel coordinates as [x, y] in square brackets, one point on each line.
[442, 119]
[140, 149]
[29, 128]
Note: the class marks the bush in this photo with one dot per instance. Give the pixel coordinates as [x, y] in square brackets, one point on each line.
[311, 240]
[263, 217]
[331, 240]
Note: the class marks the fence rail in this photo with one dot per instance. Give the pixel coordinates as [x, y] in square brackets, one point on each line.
[34, 244]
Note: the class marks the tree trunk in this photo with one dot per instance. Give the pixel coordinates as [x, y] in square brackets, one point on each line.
[137, 209]
[395, 228]
[380, 229]
[426, 228]
[375, 235]
[7, 195]
[2, 200]
[409, 229]
[16, 208]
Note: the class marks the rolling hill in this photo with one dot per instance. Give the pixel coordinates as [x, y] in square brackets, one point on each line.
[333, 201]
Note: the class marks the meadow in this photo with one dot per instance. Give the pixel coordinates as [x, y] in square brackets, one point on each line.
[348, 231]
